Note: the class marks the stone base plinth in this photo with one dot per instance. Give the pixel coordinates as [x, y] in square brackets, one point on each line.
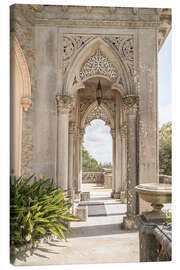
[129, 223]
[85, 196]
[107, 181]
[157, 217]
[116, 195]
[123, 197]
[82, 212]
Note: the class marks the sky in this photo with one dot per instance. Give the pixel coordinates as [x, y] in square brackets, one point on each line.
[97, 138]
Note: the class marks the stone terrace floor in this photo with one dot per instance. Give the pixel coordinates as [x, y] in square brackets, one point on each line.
[99, 240]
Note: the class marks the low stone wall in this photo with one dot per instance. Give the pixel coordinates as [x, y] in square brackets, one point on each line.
[165, 179]
[92, 177]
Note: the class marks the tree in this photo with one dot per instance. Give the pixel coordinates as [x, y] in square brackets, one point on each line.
[165, 149]
[90, 164]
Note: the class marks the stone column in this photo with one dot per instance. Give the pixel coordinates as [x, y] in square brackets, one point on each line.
[63, 107]
[123, 130]
[132, 169]
[118, 165]
[81, 135]
[113, 134]
[71, 156]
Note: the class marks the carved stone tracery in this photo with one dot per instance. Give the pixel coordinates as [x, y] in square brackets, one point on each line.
[99, 64]
[124, 45]
[97, 113]
[71, 44]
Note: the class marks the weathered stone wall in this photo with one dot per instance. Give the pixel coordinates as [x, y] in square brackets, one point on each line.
[22, 24]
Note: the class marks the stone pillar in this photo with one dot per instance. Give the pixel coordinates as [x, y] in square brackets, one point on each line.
[113, 134]
[81, 135]
[148, 110]
[123, 130]
[63, 107]
[132, 165]
[76, 175]
[118, 165]
[71, 156]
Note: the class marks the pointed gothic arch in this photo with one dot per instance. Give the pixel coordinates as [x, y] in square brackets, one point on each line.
[20, 100]
[97, 50]
[96, 112]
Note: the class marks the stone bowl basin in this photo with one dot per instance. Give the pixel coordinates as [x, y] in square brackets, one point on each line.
[154, 193]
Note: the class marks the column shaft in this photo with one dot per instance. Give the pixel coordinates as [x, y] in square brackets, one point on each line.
[132, 166]
[63, 106]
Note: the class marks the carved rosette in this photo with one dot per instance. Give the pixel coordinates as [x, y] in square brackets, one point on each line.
[64, 103]
[99, 64]
[130, 104]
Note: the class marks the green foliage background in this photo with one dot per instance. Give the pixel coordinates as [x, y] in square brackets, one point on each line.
[165, 149]
[90, 164]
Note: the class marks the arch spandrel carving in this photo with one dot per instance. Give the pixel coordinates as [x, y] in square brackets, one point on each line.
[115, 70]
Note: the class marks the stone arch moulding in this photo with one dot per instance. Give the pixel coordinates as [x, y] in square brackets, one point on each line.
[98, 50]
[102, 112]
[20, 100]
[21, 64]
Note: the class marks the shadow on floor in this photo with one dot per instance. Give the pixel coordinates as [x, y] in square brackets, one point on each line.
[97, 230]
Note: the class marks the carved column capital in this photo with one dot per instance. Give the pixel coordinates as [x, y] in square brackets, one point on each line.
[130, 103]
[123, 130]
[26, 103]
[113, 133]
[64, 103]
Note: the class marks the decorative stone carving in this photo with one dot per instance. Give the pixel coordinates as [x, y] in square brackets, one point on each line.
[97, 113]
[19, 58]
[110, 104]
[72, 127]
[71, 44]
[124, 45]
[123, 130]
[26, 103]
[98, 64]
[130, 103]
[113, 133]
[64, 103]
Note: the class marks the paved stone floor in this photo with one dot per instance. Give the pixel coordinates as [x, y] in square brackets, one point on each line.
[99, 240]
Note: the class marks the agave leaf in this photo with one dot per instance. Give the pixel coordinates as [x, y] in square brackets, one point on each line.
[54, 231]
[61, 232]
[40, 229]
[38, 219]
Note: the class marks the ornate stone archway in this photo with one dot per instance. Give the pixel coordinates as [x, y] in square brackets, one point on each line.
[112, 61]
[20, 101]
[120, 50]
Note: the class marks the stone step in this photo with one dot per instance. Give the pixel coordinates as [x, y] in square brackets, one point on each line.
[104, 208]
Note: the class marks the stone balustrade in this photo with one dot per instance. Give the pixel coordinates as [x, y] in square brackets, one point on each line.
[91, 177]
[165, 179]
[155, 240]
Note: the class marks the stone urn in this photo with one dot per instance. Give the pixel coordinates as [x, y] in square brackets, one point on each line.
[157, 195]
